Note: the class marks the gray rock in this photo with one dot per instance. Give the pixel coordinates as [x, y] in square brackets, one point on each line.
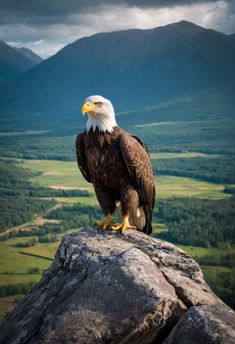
[204, 325]
[104, 287]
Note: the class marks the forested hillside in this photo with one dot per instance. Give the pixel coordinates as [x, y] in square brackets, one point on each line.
[198, 222]
[219, 169]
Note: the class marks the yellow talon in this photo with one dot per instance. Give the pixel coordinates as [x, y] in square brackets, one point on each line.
[106, 223]
[123, 225]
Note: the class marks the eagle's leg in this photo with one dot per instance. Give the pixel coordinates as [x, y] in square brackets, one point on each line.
[123, 225]
[129, 202]
[107, 203]
[106, 223]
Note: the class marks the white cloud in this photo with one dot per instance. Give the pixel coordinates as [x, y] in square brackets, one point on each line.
[52, 37]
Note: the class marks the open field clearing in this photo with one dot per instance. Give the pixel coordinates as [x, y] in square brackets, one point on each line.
[14, 267]
[161, 155]
[57, 174]
[64, 174]
[89, 200]
[170, 186]
[203, 251]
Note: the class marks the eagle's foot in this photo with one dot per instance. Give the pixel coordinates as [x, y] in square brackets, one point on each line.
[107, 223]
[124, 225]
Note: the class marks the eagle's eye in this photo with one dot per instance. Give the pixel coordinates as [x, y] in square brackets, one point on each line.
[98, 104]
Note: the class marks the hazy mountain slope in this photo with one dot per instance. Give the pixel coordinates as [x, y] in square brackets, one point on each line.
[15, 61]
[31, 55]
[134, 68]
[232, 36]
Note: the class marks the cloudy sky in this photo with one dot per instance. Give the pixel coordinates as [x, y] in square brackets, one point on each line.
[45, 26]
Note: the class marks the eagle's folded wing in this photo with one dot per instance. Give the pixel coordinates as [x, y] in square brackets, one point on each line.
[138, 164]
[81, 158]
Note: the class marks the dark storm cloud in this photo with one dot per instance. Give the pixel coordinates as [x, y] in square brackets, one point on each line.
[45, 26]
[45, 11]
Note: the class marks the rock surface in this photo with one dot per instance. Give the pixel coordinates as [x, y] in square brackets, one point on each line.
[205, 324]
[104, 287]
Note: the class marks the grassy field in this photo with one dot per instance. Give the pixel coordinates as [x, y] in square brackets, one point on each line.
[63, 174]
[169, 186]
[14, 267]
[203, 251]
[90, 200]
[158, 228]
[57, 174]
[164, 155]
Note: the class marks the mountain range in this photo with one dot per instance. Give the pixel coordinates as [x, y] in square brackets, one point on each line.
[180, 70]
[14, 61]
[31, 55]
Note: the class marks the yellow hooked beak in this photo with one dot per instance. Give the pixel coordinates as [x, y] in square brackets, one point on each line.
[88, 107]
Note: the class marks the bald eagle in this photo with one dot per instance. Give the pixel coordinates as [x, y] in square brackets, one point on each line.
[118, 165]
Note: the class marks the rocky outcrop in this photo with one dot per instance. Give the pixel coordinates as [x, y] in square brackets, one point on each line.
[105, 287]
[204, 324]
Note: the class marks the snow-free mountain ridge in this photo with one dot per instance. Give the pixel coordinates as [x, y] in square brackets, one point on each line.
[180, 68]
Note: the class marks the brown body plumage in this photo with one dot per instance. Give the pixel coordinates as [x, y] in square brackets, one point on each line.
[119, 167]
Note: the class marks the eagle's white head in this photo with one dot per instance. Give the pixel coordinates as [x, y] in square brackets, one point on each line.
[101, 114]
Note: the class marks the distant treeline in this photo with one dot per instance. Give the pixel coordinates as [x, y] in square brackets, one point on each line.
[216, 170]
[229, 189]
[51, 146]
[226, 259]
[223, 284]
[16, 289]
[198, 222]
[76, 216]
[32, 191]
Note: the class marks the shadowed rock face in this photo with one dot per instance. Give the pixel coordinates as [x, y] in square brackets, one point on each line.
[204, 324]
[104, 287]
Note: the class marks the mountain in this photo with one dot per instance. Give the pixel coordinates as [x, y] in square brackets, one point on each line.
[180, 67]
[29, 54]
[232, 36]
[14, 61]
